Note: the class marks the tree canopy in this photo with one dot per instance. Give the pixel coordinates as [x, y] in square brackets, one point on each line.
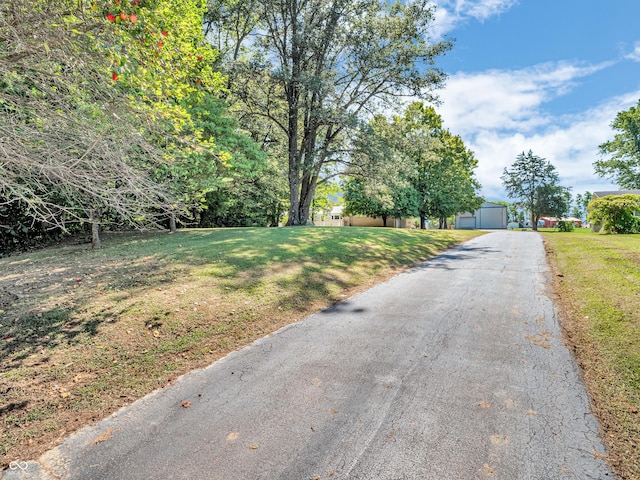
[307, 72]
[623, 152]
[413, 163]
[533, 181]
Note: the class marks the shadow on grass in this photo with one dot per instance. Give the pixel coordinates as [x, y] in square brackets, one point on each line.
[312, 263]
[58, 316]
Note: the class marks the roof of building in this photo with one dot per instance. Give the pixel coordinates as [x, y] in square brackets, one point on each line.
[616, 192]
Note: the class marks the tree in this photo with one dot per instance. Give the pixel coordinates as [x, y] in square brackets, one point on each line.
[246, 187]
[413, 150]
[533, 182]
[623, 166]
[315, 68]
[580, 206]
[71, 148]
[442, 167]
[94, 110]
[616, 213]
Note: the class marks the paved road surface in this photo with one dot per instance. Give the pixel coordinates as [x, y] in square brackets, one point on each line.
[454, 370]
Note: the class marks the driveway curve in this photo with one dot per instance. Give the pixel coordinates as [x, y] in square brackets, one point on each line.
[455, 369]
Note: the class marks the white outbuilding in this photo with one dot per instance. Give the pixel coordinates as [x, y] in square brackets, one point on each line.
[489, 216]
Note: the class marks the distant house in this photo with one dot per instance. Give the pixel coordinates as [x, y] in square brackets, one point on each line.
[552, 222]
[489, 216]
[332, 218]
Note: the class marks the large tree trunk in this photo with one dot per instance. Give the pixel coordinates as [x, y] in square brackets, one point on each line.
[423, 219]
[534, 223]
[172, 223]
[292, 90]
[294, 198]
[94, 217]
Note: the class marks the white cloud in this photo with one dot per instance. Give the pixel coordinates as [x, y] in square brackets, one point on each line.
[482, 10]
[635, 55]
[501, 99]
[452, 13]
[500, 114]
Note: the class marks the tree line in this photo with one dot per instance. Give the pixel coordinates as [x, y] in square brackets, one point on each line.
[159, 113]
[137, 113]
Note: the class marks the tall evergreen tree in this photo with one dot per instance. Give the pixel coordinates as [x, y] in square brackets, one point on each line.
[533, 182]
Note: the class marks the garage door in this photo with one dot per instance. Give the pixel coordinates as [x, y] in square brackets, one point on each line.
[467, 222]
[492, 218]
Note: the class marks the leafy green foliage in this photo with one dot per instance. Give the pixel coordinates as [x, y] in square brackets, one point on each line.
[623, 166]
[443, 168]
[245, 187]
[125, 95]
[89, 100]
[565, 226]
[379, 200]
[616, 213]
[18, 230]
[413, 165]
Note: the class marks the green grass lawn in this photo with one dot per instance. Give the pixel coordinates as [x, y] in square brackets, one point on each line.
[85, 332]
[598, 284]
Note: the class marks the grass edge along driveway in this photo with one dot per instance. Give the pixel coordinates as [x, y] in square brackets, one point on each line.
[83, 333]
[597, 282]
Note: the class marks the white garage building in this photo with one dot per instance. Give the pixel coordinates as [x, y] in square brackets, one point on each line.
[489, 216]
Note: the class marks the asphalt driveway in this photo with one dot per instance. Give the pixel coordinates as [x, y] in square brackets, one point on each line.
[453, 370]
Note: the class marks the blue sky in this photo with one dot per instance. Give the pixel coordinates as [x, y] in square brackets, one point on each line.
[541, 75]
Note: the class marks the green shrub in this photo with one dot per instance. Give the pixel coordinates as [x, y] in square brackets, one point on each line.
[616, 213]
[565, 226]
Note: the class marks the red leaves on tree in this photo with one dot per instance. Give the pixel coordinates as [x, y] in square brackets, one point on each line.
[111, 17]
[114, 76]
[133, 18]
[165, 33]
